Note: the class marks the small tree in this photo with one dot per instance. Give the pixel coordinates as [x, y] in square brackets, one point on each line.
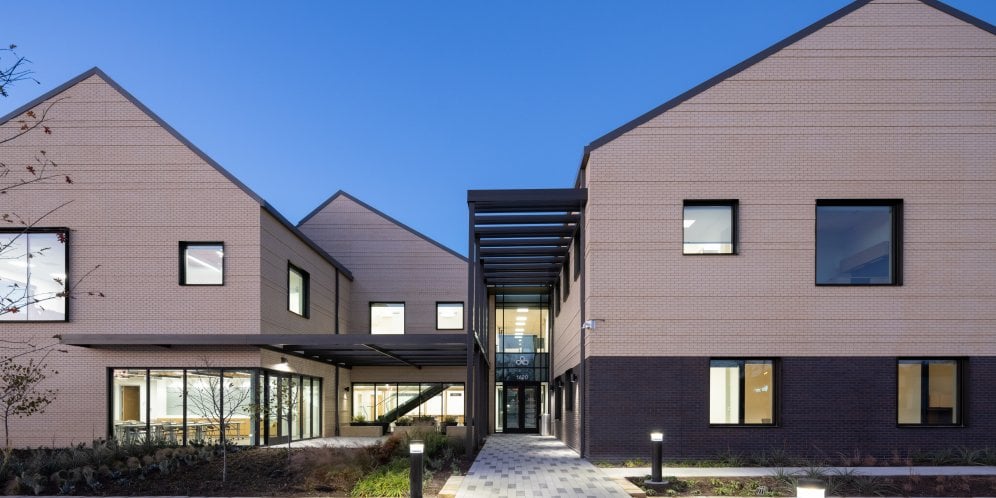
[219, 398]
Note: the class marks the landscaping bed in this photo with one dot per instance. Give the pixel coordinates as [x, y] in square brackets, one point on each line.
[837, 485]
[106, 469]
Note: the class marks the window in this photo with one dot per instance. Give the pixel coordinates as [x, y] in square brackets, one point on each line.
[858, 242]
[929, 392]
[297, 290]
[33, 274]
[741, 392]
[558, 401]
[449, 316]
[569, 386]
[388, 318]
[577, 254]
[567, 276]
[710, 227]
[202, 263]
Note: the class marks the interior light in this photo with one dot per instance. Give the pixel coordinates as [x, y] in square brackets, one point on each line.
[520, 330]
[522, 310]
[689, 223]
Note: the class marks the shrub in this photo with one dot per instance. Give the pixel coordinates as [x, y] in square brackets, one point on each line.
[403, 421]
[390, 480]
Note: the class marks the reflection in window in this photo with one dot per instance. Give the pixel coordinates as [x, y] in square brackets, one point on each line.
[33, 275]
[203, 263]
[385, 403]
[741, 392]
[193, 405]
[388, 318]
[297, 290]
[857, 244]
[449, 316]
[928, 392]
[709, 227]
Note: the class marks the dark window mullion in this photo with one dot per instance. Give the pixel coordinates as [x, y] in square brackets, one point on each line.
[924, 391]
[742, 368]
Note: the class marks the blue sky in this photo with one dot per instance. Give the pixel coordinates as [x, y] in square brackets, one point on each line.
[405, 105]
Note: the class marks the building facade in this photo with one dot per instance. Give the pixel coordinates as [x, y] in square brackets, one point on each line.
[794, 256]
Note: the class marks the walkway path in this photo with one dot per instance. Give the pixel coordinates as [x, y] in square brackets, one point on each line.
[513, 465]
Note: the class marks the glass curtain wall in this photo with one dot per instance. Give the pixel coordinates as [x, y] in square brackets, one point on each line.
[387, 402]
[208, 405]
[521, 350]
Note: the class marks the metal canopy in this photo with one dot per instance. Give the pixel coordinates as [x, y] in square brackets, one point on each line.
[346, 350]
[521, 237]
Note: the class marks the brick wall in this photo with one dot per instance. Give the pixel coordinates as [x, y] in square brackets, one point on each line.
[828, 406]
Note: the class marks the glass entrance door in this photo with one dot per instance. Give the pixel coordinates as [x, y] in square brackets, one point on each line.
[522, 407]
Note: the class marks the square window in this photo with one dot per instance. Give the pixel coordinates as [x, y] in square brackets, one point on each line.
[297, 290]
[741, 392]
[449, 316]
[202, 263]
[33, 274]
[929, 392]
[710, 227]
[388, 318]
[858, 242]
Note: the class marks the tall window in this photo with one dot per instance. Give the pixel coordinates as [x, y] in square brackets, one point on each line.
[297, 290]
[33, 274]
[858, 242]
[710, 227]
[929, 392]
[202, 263]
[449, 316]
[567, 276]
[387, 318]
[741, 392]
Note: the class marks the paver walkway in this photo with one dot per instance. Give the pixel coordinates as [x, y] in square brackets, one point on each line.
[514, 465]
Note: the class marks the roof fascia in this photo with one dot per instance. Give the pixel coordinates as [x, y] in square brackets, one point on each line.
[343, 193]
[96, 71]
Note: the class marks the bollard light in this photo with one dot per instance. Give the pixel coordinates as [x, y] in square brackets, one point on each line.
[810, 488]
[415, 450]
[656, 470]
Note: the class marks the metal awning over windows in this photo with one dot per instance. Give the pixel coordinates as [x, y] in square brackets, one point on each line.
[345, 350]
[521, 237]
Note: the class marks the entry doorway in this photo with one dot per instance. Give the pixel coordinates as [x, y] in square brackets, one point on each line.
[522, 407]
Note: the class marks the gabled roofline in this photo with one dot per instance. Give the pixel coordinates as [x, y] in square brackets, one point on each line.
[96, 71]
[343, 193]
[754, 59]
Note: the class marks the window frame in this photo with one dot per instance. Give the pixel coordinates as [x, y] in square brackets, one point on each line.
[184, 245]
[463, 320]
[67, 234]
[404, 320]
[306, 290]
[960, 364]
[896, 233]
[734, 205]
[775, 397]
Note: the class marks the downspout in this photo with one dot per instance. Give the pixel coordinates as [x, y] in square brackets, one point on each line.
[583, 371]
[471, 326]
[335, 402]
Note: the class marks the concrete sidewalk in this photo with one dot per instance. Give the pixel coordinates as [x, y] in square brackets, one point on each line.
[974, 470]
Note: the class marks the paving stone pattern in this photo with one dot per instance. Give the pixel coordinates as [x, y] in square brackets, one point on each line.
[514, 465]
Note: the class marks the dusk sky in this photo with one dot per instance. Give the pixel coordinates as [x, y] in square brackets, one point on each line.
[405, 105]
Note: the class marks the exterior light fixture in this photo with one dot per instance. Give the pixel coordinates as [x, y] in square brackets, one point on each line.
[283, 360]
[656, 470]
[810, 488]
[588, 325]
[415, 450]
